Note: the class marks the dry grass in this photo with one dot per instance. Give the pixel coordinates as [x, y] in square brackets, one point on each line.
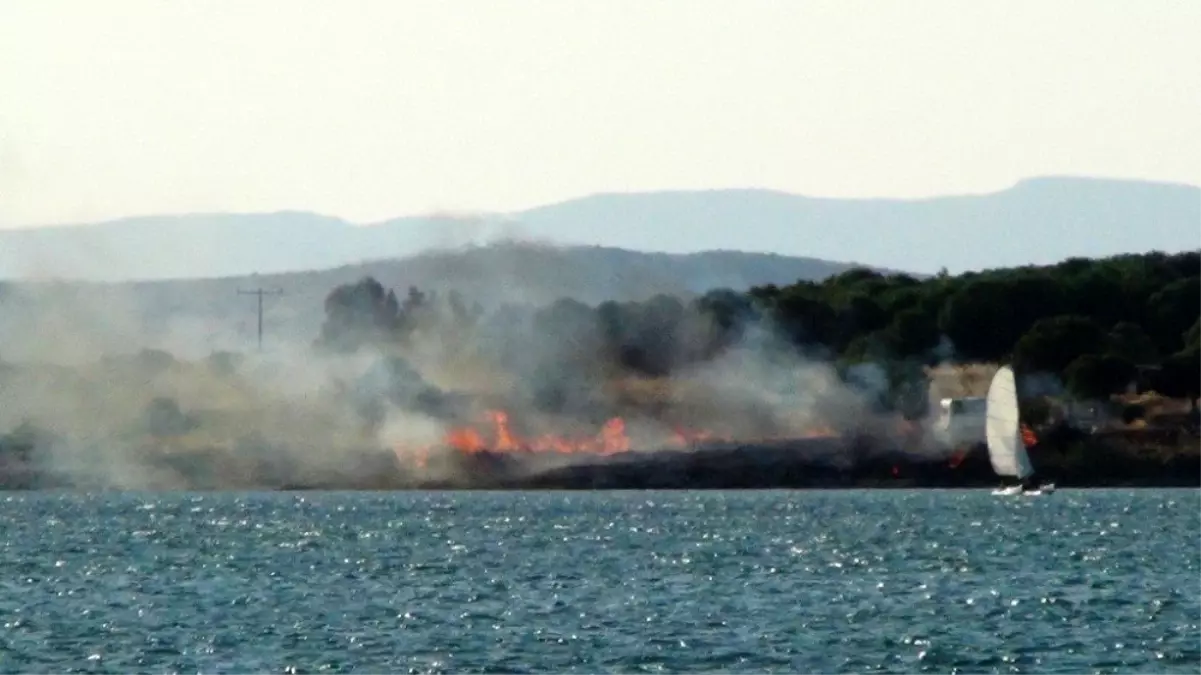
[106, 403]
[971, 379]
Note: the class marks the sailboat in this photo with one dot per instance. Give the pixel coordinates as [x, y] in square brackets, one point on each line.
[1006, 442]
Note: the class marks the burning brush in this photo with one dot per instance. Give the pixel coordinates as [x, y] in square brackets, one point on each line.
[495, 434]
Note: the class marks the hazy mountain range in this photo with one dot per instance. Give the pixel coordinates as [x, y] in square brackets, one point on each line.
[1036, 221]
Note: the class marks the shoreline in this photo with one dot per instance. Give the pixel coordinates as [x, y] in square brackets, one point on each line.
[448, 490]
[829, 463]
[853, 463]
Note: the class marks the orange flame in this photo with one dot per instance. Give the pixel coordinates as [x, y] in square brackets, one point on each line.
[465, 439]
[683, 438]
[819, 431]
[1028, 438]
[613, 437]
[610, 439]
[504, 437]
[497, 434]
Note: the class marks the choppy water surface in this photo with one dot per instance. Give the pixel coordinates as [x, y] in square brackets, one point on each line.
[1100, 581]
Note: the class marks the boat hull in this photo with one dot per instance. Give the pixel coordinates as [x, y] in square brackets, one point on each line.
[1013, 490]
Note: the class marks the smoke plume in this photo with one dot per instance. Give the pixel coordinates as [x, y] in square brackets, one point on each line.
[130, 394]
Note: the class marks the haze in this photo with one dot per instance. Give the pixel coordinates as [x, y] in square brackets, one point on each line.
[377, 109]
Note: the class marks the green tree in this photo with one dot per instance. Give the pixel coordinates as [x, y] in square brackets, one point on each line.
[23, 442]
[804, 316]
[987, 315]
[870, 347]
[979, 319]
[1094, 376]
[858, 314]
[462, 317]
[223, 363]
[1180, 375]
[857, 278]
[1051, 344]
[913, 332]
[163, 417]
[726, 313]
[660, 330]
[418, 310]
[1173, 310]
[1184, 265]
[573, 331]
[359, 314]
[1193, 337]
[1129, 341]
[152, 362]
[1098, 291]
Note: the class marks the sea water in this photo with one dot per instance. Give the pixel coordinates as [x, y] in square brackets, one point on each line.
[525, 582]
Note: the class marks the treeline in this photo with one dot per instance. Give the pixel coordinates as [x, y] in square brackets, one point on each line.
[1096, 324]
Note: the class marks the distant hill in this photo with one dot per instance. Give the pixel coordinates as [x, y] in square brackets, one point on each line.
[196, 316]
[1036, 221]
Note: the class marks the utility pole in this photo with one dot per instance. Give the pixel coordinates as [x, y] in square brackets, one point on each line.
[260, 292]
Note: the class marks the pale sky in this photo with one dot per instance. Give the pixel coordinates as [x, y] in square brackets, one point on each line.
[369, 110]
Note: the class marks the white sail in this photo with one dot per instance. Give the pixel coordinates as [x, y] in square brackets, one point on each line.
[1003, 428]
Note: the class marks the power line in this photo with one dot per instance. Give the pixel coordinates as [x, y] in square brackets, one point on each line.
[260, 292]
